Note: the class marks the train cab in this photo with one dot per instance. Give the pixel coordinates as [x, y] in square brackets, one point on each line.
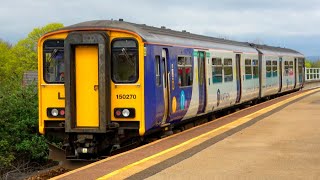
[91, 81]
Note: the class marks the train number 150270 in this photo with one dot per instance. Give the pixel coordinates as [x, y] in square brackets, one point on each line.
[126, 96]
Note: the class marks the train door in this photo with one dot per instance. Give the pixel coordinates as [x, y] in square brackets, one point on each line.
[238, 77]
[86, 69]
[201, 79]
[260, 75]
[86, 88]
[301, 71]
[295, 66]
[280, 74]
[165, 85]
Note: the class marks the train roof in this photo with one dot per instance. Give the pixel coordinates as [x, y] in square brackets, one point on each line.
[276, 51]
[154, 35]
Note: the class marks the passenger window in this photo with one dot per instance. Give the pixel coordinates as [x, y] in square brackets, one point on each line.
[290, 67]
[268, 69]
[275, 68]
[158, 77]
[248, 69]
[124, 62]
[255, 65]
[286, 68]
[227, 68]
[185, 74]
[216, 70]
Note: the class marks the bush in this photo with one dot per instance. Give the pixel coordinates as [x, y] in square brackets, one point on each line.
[19, 139]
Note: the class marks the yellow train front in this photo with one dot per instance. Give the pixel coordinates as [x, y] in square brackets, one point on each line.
[91, 88]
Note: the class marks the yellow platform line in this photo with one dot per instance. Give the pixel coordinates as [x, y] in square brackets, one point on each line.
[231, 125]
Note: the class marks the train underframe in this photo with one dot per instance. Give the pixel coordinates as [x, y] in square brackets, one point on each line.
[91, 146]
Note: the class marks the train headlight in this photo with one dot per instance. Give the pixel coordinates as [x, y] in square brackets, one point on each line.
[54, 112]
[125, 112]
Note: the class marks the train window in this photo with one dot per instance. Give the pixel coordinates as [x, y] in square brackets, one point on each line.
[185, 75]
[216, 70]
[227, 69]
[158, 79]
[268, 69]
[255, 64]
[286, 68]
[291, 68]
[248, 69]
[274, 68]
[124, 61]
[53, 56]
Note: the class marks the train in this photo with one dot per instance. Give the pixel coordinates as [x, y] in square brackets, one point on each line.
[107, 84]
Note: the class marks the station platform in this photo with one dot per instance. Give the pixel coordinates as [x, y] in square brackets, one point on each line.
[277, 139]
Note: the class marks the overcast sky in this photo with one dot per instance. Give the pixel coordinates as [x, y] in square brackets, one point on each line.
[287, 23]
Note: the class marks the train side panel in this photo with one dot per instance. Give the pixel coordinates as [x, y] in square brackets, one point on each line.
[221, 80]
[174, 73]
[270, 75]
[250, 77]
[288, 74]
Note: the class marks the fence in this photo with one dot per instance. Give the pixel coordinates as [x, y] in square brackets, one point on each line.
[312, 74]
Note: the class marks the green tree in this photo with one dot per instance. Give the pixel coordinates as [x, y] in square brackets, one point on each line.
[19, 139]
[5, 49]
[308, 63]
[316, 64]
[19, 126]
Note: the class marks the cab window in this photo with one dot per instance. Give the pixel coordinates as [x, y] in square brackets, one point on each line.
[124, 62]
[53, 66]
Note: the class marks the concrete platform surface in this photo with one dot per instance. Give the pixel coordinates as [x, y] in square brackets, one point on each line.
[284, 145]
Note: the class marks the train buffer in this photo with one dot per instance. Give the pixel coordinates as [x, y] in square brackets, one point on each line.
[276, 139]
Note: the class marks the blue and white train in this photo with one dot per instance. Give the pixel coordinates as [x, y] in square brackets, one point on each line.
[102, 83]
